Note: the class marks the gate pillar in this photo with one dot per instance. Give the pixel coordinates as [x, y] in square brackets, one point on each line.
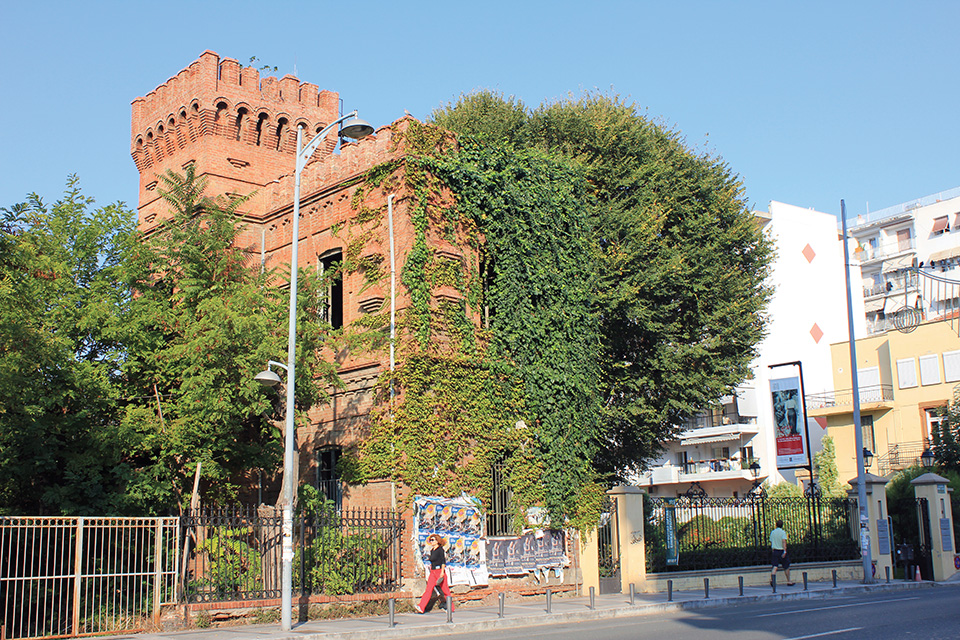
[878, 529]
[934, 488]
[632, 547]
[590, 560]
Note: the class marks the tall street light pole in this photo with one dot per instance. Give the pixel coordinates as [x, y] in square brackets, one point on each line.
[857, 430]
[355, 128]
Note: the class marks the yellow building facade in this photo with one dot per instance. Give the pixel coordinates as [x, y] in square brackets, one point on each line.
[904, 380]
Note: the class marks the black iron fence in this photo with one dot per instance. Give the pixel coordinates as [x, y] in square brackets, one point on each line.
[235, 553]
[734, 532]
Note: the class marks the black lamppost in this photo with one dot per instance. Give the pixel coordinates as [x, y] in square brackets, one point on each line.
[867, 458]
[927, 458]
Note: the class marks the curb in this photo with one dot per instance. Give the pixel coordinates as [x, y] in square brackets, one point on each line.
[601, 614]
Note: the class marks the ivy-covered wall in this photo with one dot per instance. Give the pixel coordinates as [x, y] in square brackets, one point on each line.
[497, 345]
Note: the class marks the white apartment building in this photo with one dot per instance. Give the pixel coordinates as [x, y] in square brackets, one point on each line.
[887, 242]
[808, 312]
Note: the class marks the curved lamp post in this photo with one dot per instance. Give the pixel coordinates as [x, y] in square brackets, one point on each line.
[352, 127]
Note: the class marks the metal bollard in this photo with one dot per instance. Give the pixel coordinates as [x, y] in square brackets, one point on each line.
[393, 610]
[669, 590]
[888, 574]
[593, 602]
[773, 582]
[706, 587]
[834, 578]
[550, 600]
[633, 593]
[449, 609]
[804, 580]
[740, 581]
[503, 597]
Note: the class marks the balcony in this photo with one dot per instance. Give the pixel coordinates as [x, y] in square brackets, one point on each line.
[867, 254]
[717, 469]
[878, 396]
[900, 456]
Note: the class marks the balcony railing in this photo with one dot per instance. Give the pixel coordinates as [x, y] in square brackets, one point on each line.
[868, 253]
[900, 456]
[711, 466]
[844, 398]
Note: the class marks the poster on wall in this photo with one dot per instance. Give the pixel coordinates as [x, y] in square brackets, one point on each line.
[536, 552]
[789, 423]
[459, 521]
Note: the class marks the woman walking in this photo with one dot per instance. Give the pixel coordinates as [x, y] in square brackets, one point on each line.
[437, 572]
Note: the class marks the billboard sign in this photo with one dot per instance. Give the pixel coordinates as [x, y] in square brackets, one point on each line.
[789, 423]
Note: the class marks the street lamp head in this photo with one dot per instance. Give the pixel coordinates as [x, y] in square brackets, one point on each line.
[867, 457]
[927, 458]
[356, 128]
[267, 378]
[755, 468]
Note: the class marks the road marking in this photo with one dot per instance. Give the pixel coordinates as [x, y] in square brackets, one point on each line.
[825, 633]
[836, 606]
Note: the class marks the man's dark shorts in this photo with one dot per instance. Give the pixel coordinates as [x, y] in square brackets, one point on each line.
[779, 558]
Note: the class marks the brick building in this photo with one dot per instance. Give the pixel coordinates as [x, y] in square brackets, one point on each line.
[240, 132]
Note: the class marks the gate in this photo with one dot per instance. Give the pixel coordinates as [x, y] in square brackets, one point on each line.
[608, 540]
[63, 577]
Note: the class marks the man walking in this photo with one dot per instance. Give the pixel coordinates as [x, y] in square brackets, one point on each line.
[778, 553]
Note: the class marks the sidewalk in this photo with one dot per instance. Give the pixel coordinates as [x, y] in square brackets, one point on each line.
[566, 609]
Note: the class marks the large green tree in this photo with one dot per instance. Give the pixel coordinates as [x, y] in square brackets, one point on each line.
[679, 263]
[204, 319]
[62, 299]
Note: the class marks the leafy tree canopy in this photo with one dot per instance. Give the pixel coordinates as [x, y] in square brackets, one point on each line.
[679, 262]
[61, 350]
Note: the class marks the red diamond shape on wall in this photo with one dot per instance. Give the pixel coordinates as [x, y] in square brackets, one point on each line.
[809, 253]
[816, 332]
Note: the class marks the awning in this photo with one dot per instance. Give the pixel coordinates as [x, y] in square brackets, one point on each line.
[895, 303]
[896, 264]
[946, 254]
[873, 305]
[940, 224]
[727, 437]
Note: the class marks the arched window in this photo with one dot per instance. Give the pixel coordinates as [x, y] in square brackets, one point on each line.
[241, 112]
[281, 130]
[261, 120]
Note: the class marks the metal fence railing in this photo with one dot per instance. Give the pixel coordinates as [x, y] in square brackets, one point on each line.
[236, 553]
[82, 576]
[844, 397]
[734, 532]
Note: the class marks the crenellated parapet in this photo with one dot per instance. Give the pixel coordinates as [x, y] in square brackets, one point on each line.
[229, 121]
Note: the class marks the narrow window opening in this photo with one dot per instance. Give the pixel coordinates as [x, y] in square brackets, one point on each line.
[281, 126]
[498, 517]
[260, 121]
[486, 275]
[328, 478]
[239, 124]
[332, 304]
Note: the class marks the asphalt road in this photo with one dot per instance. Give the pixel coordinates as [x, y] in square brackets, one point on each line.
[929, 614]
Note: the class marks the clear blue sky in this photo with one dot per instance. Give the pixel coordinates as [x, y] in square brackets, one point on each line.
[809, 102]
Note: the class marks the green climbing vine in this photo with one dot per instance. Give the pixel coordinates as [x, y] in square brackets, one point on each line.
[522, 392]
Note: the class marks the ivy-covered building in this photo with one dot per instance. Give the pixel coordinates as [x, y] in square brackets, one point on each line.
[361, 217]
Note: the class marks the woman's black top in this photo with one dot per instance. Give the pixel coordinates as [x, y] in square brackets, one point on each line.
[437, 558]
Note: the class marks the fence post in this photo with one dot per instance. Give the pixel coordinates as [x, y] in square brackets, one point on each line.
[942, 550]
[157, 568]
[876, 511]
[590, 558]
[630, 540]
[77, 568]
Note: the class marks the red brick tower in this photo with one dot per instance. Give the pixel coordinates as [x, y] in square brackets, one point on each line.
[239, 130]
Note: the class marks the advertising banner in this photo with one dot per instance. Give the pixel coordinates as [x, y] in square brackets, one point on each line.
[789, 423]
[670, 522]
[459, 521]
[537, 552]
